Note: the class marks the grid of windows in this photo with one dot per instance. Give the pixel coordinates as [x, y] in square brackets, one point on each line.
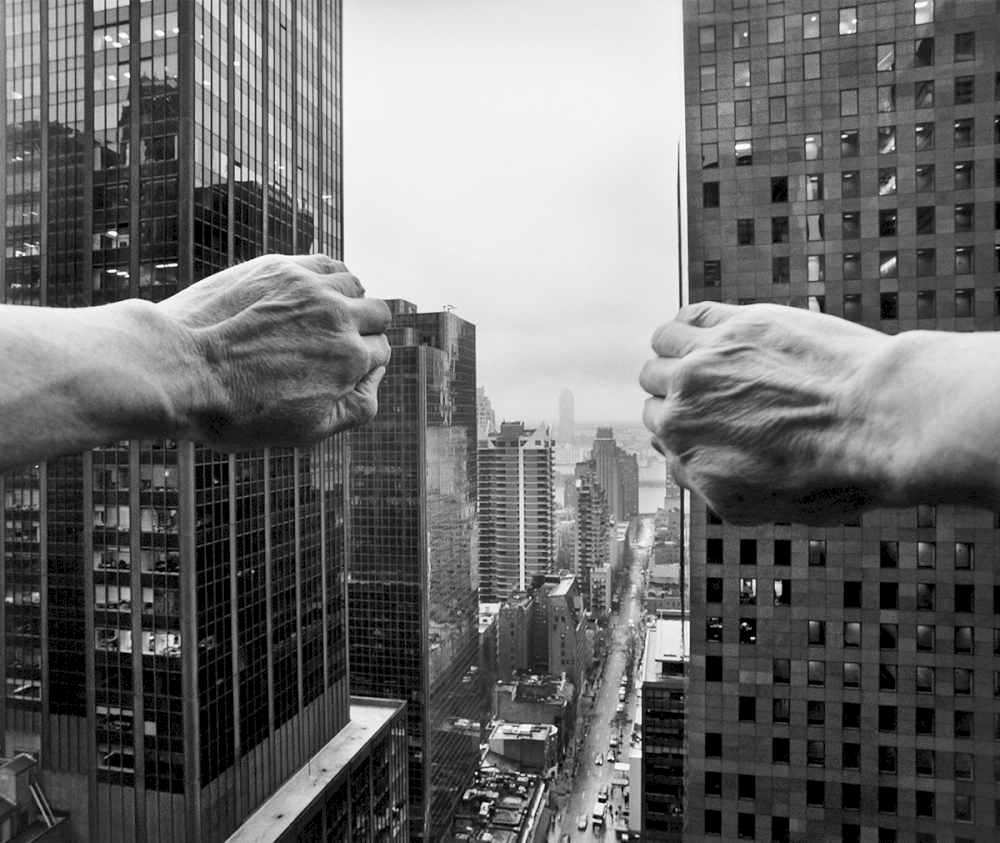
[883, 228]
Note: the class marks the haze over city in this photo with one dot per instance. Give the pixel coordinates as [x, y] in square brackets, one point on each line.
[517, 162]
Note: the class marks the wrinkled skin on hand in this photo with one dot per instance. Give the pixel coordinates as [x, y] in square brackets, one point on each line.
[293, 353]
[763, 411]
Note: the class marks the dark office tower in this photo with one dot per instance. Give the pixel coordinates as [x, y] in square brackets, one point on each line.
[618, 474]
[843, 157]
[517, 508]
[567, 417]
[593, 523]
[174, 647]
[412, 585]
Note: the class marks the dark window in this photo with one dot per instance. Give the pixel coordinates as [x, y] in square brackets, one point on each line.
[779, 829]
[925, 596]
[926, 267]
[887, 219]
[713, 551]
[923, 52]
[852, 307]
[817, 552]
[777, 110]
[849, 144]
[779, 750]
[744, 232]
[713, 590]
[888, 554]
[746, 787]
[851, 225]
[925, 803]
[965, 46]
[713, 783]
[782, 552]
[887, 677]
[888, 636]
[925, 219]
[817, 633]
[713, 273]
[887, 800]
[748, 551]
[815, 753]
[924, 759]
[851, 715]
[964, 171]
[748, 631]
[889, 305]
[924, 721]
[852, 266]
[815, 791]
[850, 184]
[713, 629]
[710, 194]
[816, 712]
[887, 718]
[852, 594]
[782, 672]
[964, 724]
[779, 229]
[887, 759]
[780, 270]
[923, 135]
[965, 597]
[713, 822]
[713, 668]
[965, 554]
[779, 189]
[713, 744]
[748, 709]
[888, 595]
[780, 710]
[924, 178]
[925, 679]
[964, 216]
[964, 132]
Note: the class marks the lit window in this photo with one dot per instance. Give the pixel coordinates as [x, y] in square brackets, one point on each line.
[923, 134]
[741, 34]
[885, 57]
[849, 102]
[813, 146]
[885, 100]
[887, 181]
[775, 30]
[776, 70]
[923, 94]
[708, 78]
[744, 153]
[887, 265]
[741, 74]
[923, 11]
[849, 20]
[810, 25]
[706, 38]
[963, 175]
[811, 66]
[886, 139]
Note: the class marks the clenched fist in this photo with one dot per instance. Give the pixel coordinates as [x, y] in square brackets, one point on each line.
[292, 351]
[276, 351]
[774, 413]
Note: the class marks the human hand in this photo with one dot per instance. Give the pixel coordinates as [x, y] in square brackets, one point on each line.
[767, 412]
[292, 353]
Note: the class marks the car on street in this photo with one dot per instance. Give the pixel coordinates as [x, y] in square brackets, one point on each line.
[581, 822]
[599, 759]
[620, 708]
[613, 741]
[611, 756]
[602, 794]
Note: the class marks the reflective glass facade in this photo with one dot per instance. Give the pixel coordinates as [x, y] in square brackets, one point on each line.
[844, 681]
[412, 575]
[175, 619]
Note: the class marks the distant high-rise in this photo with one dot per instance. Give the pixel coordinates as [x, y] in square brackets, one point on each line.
[567, 417]
[487, 420]
[517, 509]
[175, 619]
[618, 474]
[412, 572]
[592, 527]
[843, 157]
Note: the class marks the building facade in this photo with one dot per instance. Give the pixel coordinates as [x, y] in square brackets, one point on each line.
[843, 157]
[412, 575]
[593, 534]
[567, 417]
[174, 644]
[618, 474]
[517, 508]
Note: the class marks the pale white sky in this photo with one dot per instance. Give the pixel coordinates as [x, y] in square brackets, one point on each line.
[516, 159]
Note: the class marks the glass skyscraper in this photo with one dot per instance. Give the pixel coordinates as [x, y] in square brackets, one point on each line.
[174, 644]
[844, 682]
[412, 576]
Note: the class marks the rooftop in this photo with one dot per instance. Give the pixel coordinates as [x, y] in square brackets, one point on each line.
[499, 806]
[666, 641]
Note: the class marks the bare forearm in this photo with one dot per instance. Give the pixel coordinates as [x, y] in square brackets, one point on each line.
[939, 403]
[77, 378]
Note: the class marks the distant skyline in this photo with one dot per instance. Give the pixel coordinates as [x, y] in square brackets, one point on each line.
[516, 161]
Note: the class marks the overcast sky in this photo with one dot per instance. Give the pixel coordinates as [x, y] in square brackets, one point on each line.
[516, 159]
